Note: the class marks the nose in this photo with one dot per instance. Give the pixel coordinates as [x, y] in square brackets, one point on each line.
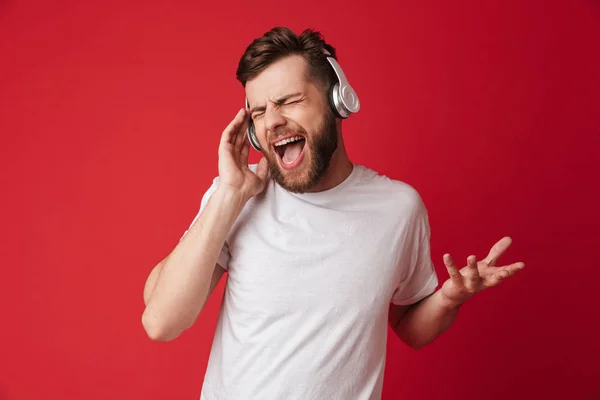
[273, 119]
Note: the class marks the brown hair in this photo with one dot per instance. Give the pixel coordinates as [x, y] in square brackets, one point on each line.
[281, 42]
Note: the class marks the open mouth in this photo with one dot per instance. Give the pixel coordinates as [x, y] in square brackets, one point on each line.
[290, 151]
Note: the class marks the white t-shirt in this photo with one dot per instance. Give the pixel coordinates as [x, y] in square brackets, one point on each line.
[310, 279]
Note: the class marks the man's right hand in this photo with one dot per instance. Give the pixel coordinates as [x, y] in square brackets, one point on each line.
[234, 173]
[177, 288]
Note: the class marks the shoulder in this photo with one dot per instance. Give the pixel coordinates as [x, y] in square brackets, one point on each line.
[208, 192]
[394, 192]
[401, 203]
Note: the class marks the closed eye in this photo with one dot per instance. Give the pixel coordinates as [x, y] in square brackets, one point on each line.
[260, 111]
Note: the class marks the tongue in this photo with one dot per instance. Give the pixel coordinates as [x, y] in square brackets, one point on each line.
[291, 152]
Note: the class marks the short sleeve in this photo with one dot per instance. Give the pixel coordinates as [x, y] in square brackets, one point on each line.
[224, 255]
[419, 278]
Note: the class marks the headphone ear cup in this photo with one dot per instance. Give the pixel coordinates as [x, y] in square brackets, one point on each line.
[252, 136]
[251, 132]
[333, 100]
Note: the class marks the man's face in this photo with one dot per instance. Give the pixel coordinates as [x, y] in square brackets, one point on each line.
[294, 124]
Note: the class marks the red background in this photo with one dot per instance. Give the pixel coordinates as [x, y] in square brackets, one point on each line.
[111, 115]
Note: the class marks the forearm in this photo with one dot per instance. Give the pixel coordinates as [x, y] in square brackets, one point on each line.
[425, 321]
[181, 285]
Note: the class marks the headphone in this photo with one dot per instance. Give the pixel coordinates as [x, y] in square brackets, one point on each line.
[342, 99]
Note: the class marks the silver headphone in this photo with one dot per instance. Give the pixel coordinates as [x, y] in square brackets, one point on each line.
[342, 99]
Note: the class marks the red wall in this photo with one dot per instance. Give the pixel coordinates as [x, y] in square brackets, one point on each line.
[110, 120]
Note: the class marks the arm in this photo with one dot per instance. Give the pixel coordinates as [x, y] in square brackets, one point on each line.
[420, 323]
[177, 288]
[157, 270]
[183, 280]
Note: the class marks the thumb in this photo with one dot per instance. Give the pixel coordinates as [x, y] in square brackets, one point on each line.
[262, 169]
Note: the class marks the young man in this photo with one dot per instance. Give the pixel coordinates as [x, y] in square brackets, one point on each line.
[322, 254]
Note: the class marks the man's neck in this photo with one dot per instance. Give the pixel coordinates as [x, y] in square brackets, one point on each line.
[339, 169]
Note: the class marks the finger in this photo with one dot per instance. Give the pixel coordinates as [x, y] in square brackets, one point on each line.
[497, 250]
[226, 136]
[244, 151]
[512, 268]
[452, 270]
[472, 273]
[472, 270]
[501, 273]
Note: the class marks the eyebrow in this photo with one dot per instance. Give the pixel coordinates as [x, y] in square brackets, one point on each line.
[277, 101]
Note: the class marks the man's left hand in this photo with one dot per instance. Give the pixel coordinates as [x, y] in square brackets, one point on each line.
[477, 276]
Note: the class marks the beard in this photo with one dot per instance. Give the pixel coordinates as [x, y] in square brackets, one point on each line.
[319, 148]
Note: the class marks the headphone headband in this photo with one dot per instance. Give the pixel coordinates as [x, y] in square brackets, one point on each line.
[344, 97]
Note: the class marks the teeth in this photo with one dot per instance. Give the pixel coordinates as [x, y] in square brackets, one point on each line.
[288, 140]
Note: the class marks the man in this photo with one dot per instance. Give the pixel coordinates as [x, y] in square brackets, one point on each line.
[322, 254]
